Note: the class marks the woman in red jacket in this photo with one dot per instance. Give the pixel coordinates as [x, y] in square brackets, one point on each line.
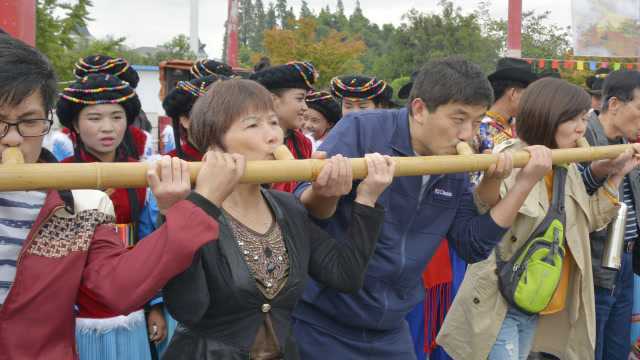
[98, 110]
[68, 239]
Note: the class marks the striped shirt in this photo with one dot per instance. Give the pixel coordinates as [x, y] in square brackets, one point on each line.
[18, 212]
[631, 227]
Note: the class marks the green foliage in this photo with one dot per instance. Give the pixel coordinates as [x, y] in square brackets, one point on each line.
[426, 37]
[59, 39]
[304, 10]
[396, 85]
[540, 38]
[389, 52]
[396, 51]
[332, 55]
[55, 34]
[176, 48]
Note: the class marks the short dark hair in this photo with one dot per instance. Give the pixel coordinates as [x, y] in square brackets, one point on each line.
[453, 79]
[546, 104]
[621, 85]
[500, 87]
[23, 71]
[225, 101]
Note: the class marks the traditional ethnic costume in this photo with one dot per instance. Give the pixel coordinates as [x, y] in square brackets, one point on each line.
[323, 102]
[361, 87]
[293, 75]
[178, 103]
[137, 140]
[100, 332]
[204, 68]
[497, 128]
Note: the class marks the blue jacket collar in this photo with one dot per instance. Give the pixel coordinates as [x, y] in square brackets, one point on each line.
[401, 138]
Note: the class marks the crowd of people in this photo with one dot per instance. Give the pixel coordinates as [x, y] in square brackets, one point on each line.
[500, 264]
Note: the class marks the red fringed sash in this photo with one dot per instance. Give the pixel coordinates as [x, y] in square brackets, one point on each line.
[437, 279]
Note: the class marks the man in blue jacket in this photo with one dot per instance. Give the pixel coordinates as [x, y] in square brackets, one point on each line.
[447, 103]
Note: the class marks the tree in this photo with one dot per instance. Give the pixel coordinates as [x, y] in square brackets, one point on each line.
[304, 10]
[247, 22]
[340, 8]
[271, 20]
[540, 38]
[282, 12]
[176, 48]
[332, 55]
[259, 18]
[426, 37]
[55, 34]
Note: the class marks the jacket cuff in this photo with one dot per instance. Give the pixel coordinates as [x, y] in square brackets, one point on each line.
[489, 230]
[204, 204]
[377, 211]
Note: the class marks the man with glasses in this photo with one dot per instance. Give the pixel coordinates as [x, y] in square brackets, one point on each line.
[52, 243]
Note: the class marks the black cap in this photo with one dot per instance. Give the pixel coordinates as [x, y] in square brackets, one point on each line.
[515, 70]
[405, 90]
[595, 82]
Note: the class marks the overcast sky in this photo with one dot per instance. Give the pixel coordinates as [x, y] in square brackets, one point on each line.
[153, 22]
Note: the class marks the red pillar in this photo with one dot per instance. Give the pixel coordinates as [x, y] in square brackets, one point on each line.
[232, 34]
[18, 18]
[514, 33]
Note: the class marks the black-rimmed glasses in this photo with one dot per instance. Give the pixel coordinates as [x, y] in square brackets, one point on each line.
[27, 127]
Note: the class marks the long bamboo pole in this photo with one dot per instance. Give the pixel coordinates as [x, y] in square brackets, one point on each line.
[15, 176]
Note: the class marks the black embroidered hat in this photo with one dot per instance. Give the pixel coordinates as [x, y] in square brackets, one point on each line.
[180, 100]
[202, 68]
[293, 75]
[103, 64]
[361, 87]
[96, 89]
[324, 103]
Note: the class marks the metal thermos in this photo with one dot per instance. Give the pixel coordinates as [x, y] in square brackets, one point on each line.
[614, 247]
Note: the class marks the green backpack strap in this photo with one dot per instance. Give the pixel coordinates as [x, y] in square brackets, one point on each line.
[529, 278]
[556, 208]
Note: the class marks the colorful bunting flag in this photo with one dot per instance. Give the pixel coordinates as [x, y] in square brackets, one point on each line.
[541, 63]
[580, 65]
